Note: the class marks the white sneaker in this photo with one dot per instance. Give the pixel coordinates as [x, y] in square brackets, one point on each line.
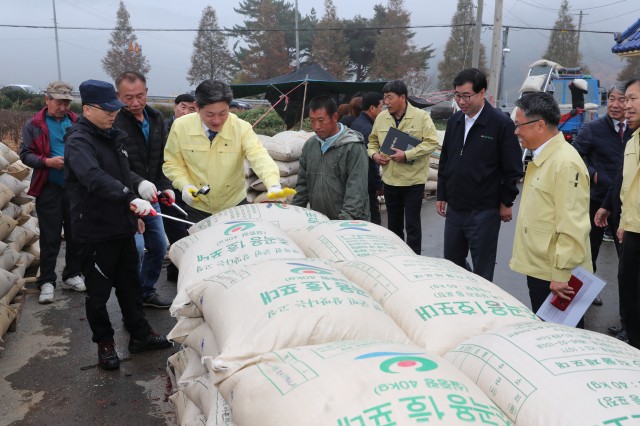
[74, 283]
[46, 293]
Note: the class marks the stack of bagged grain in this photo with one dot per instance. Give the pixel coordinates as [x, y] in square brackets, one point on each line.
[285, 148]
[19, 231]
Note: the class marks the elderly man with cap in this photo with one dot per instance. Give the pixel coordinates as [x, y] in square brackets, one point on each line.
[42, 149]
[99, 184]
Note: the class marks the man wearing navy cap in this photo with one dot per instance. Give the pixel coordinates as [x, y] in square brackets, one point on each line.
[98, 182]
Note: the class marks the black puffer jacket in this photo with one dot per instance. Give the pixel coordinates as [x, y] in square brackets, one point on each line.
[145, 159]
[98, 182]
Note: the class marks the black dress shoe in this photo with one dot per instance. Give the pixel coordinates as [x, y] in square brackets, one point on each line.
[152, 342]
[597, 301]
[623, 336]
[107, 356]
[614, 329]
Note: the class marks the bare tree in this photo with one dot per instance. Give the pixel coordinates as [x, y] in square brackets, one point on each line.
[125, 54]
[211, 58]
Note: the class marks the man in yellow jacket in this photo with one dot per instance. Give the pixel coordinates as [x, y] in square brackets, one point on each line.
[629, 231]
[552, 232]
[208, 148]
[404, 173]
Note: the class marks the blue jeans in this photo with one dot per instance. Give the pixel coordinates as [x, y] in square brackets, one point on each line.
[155, 240]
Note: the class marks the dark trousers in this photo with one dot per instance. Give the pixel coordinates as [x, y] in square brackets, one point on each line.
[374, 208]
[475, 231]
[175, 230]
[107, 265]
[52, 206]
[629, 283]
[595, 236]
[538, 292]
[403, 211]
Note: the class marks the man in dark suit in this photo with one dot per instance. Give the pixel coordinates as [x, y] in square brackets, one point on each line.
[479, 168]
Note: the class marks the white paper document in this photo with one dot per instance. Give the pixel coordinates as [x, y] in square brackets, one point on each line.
[591, 287]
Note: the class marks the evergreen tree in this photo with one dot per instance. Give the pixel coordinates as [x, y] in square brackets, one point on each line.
[458, 51]
[631, 69]
[563, 43]
[329, 48]
[266, 55]
[211, 59]
[124, 54]
[284, 18]
[395, 56]
[361, 39]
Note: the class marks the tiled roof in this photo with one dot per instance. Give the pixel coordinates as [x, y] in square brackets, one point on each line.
[628, 42]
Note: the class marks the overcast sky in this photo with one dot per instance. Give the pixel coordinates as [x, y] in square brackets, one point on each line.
[29, 55]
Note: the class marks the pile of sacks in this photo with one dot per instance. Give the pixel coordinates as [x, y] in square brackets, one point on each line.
[288, 318]
[19, 231]
[285, 148]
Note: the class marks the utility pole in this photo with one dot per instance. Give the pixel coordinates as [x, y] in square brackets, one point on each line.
[505, 50]
[55, 28]
[297, 40]
[496, 51]
[475, 59]
[578, 38]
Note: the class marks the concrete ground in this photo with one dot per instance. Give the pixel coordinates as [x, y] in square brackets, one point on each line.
[48, 374]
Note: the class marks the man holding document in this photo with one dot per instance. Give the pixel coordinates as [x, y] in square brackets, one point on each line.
[552, 232]
[404, 172]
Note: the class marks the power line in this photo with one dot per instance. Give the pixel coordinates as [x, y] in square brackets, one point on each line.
[243, 30]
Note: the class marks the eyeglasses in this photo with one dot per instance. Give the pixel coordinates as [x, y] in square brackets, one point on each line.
[102, 109]
[528, 122]
[458, 97]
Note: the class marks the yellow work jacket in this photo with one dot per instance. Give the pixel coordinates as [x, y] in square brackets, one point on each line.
[552, 232]
[630, 192]
[418, 124]
[190, 158]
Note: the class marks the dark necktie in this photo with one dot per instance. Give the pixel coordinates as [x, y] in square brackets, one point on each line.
[211, 134]
[621, 129]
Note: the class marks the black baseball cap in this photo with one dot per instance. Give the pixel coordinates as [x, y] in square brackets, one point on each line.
[100, 93]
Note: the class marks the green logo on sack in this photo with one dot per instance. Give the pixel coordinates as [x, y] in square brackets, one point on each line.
[357, 225]
[238, 227]
[398, 362]
[305, 269]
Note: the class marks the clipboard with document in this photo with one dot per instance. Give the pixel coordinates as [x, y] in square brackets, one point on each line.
[398, 139]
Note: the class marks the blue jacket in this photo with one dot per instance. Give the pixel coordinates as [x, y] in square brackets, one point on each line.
[363, 124]
[484, 172]
[599, 144]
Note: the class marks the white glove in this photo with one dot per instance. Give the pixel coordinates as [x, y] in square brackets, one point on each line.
[187, 194]
[148, 191]
[142, 207]
[274, 191]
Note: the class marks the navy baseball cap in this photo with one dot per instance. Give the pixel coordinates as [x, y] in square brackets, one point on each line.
[100, 93]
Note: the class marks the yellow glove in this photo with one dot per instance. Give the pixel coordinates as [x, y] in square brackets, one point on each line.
[276, 191]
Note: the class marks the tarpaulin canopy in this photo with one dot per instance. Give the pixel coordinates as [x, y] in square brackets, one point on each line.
[319, 82]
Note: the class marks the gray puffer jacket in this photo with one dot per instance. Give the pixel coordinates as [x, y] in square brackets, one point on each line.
[335, 183]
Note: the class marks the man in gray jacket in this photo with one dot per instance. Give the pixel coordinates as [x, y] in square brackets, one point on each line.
[333, 176]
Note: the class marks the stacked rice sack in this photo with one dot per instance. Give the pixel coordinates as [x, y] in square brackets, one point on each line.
[285, 148]
[19, 231]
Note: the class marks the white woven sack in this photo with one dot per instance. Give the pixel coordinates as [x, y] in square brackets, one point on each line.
[221, 246]
[7, 315]
[32, 225]
[287, 145]
[288, 168]
[18, 170]
[12, 210]
[206, 397]
[7, 225]
[340, 240]
[202, 341]
[5, 195]
[285, 303]
[187, 412]
[248, 171]
[14, 185]
[9, 154]
[20, 237]
[33, 249]
[22, 264]
[7, 281]
[431, 186]
[548, 374]
[185, 366]
[288, 181]
[351, 383]
[283, 216]
[22, 198]
[9, 258]
[436, 303]
[183, 328]
[3, 164]
[533, 83]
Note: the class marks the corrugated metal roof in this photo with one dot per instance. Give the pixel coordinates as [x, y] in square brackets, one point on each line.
[628, 42]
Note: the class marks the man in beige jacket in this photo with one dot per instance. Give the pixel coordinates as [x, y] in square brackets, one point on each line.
[629, 231]
[552, 232]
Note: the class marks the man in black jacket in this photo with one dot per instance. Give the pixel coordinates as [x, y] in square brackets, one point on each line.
[479, 168]
[146, 138]
[98, 182]
[371, 107]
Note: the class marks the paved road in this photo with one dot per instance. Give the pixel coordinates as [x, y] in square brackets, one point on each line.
[47, 373]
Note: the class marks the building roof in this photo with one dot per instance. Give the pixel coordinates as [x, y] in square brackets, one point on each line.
[628, 42]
